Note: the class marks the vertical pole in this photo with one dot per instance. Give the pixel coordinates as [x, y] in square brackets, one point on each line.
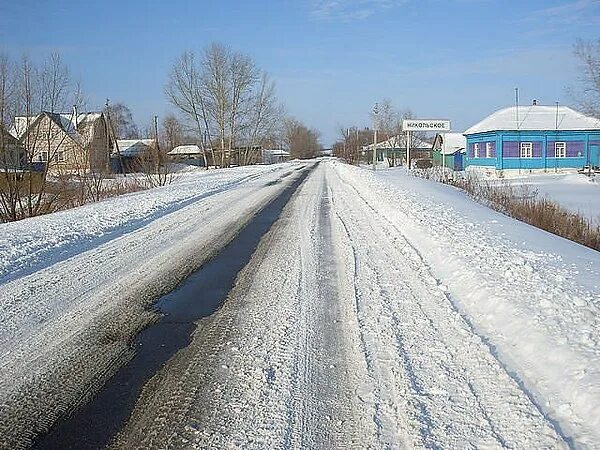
[375, 112]
[408, 150]
[157, 160]
[443, 158]
[375, 149]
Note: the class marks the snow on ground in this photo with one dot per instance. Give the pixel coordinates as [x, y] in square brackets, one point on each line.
[76, 284]
[339, 334]
[575, 192]
[381, 311]
[32, 244]
[532, 296]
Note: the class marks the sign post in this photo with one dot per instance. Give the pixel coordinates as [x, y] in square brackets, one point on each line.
[409, 125]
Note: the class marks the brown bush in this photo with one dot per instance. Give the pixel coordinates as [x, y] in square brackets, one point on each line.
[524, 204]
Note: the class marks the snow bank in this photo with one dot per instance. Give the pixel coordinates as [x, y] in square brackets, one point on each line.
[534, 296]
[32, 244]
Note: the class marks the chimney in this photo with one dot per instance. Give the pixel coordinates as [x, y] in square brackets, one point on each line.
[75, 116]
[534, 102]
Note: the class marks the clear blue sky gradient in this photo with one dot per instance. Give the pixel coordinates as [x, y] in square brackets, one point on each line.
[331, 60]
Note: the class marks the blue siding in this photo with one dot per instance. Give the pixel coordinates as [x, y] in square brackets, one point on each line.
[543, 149]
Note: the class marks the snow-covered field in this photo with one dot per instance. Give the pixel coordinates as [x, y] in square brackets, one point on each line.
[576, 192]
[381, 311]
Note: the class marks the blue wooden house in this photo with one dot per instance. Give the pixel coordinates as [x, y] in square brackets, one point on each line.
[534, 138]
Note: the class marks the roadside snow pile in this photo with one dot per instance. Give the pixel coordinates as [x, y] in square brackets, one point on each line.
[33, 244]
[534, 296]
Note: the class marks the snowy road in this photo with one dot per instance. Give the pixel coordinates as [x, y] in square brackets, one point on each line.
[361, 321]
[66, 326]
[337, 335]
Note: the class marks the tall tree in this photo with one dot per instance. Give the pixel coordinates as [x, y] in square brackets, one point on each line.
[230, 103]
[122, 122]
[587, 93]
[172, 132]
[302, 142]
[184, 91]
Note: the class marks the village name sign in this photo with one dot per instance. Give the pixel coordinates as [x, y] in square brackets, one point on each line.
[409, 125]
[425, 125]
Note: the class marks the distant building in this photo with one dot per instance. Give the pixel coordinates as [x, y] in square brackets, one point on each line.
[272, 156]
[449, 150]
[326, 152]
[187, 154]
[64, 143]
[129, 155]
[396, 145]
[534, 138]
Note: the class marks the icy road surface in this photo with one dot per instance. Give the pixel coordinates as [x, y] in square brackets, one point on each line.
[340, 334]
[76, 284]
[380, 311]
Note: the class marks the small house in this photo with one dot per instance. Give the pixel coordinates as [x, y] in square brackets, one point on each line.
[65, 143]
[534, 138]
[449, 150]
[272, 156]
[187, 154]
[395, 148]
[129, 155]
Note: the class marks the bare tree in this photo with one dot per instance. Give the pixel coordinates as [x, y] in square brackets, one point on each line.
[26, 93]
[122, 122]
[184, 91]
[587, 93]
[231, 104]
[264, 118]
[172, 132]
[217, 88]
[55, 82]
[302, 142]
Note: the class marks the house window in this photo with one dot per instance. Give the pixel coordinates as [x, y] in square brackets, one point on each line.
[43, 156]
[475, 150]
[60, 156]
[488, 149]
[526, 150]
[560, 149]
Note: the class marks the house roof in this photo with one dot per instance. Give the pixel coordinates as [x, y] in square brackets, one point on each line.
[535, 118]
[186, 150]
[75, 127]
[452, 143]
[275, 152]
[133, 147]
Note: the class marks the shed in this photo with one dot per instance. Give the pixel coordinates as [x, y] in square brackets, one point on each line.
[187, 154]
[534, 138]
[449, 149]
[272, 156]
[129, 154]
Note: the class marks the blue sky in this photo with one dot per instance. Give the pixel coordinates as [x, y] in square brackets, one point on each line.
[331, 59]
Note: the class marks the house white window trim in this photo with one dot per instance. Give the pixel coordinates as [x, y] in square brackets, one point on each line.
[476, 150]
[488, 149]
[526, 149]
[43, 156]
[560, 149]
[60, 156]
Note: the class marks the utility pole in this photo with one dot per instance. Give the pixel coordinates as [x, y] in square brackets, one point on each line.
[375, 120]
[157, 159]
